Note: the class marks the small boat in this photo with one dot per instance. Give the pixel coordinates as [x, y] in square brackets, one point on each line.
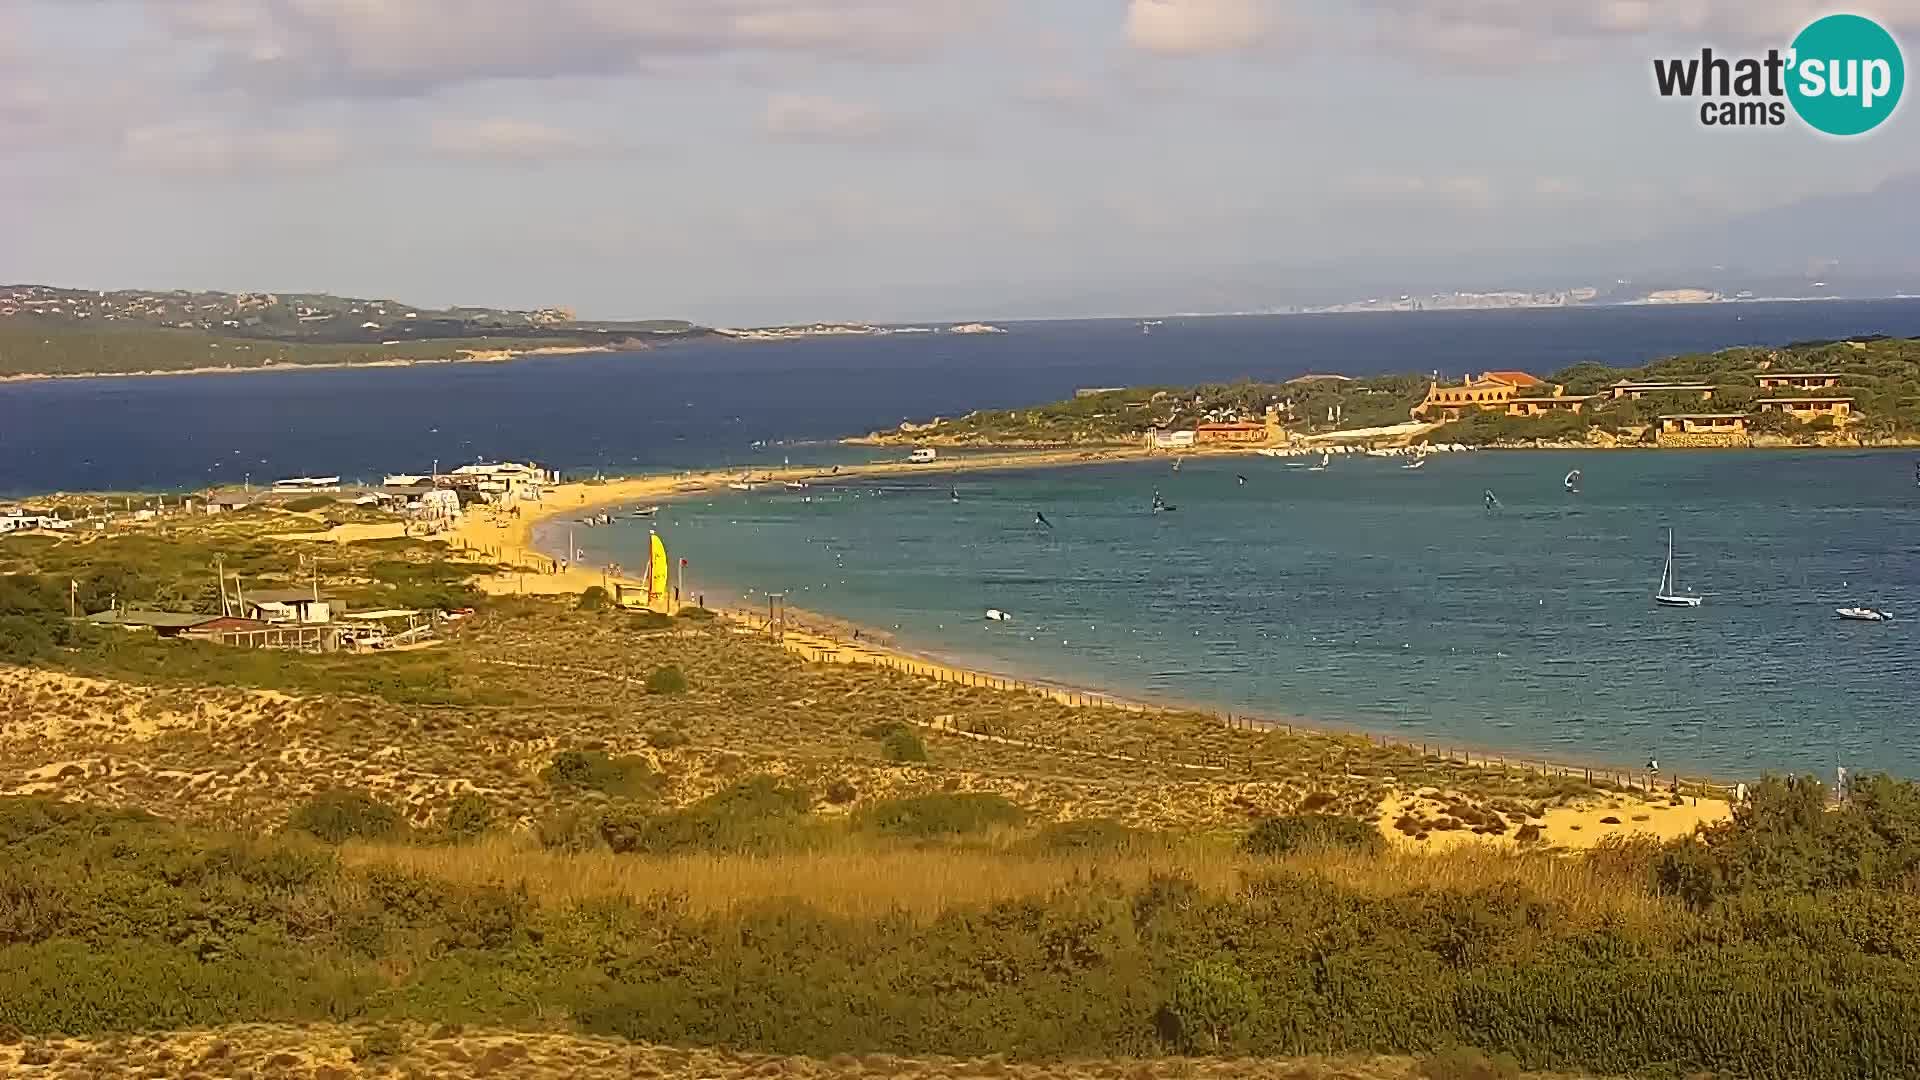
[739, 485]
[646, 511]
[1416, 463]
[1326, 459]
[999, 616]
[1160, 506]
[795, 485]
[1669, 594]
[1864, 614]
[1572, 482]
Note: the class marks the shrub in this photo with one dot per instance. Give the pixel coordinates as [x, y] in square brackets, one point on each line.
[339, 816]
[1210, 999]
[470, 815]
[695, 614]
[572, 831]
[941, 814]
[1466, 1063]
[378, 1043]
[594, 770]
[841, 792]
[758, 814]
[1302, 832]
[1088, 834]
[666, 680]
[903, 745]
[594, 598]
[666, 738]
[646, 621]
[311, 503]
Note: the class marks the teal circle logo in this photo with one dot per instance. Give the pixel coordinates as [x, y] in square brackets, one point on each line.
[1846, 75]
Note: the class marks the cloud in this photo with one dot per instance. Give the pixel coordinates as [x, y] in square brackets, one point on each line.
[1193, 27]
[194, 149]
[1512, 33]
[504, 138]
[406, 47]
[1414, 190]
[807, 118]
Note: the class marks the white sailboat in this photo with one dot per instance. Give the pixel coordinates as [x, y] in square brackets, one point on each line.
[1326, 457]
[1669, 594]
[1572, 482]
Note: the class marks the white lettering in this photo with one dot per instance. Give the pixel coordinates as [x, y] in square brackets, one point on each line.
[1879, 80]
[1813, 78]
[1843, 78]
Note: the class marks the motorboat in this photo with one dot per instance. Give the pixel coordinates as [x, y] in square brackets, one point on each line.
[1864, 614]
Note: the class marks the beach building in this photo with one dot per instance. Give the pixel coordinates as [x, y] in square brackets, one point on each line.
[505, 482]
[1814, 380]
[306, 485]
[166, 624]
[1627, 388]
[1234, 431]
[1541, 405]
[24, 520]
[1491, 390]
[305, 606]
[1703, 430]
[1172, 440]
[226, 502]
[1808, 408]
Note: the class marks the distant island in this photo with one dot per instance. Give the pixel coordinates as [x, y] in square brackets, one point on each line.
[1855, 392]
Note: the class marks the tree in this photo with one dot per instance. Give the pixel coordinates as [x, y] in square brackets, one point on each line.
[1210, 999]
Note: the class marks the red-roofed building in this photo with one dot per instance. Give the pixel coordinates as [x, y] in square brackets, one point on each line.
[1237, 432]
[1492, 390]
[1518, 379]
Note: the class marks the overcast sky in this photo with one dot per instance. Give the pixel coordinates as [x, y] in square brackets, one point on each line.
[739, 161]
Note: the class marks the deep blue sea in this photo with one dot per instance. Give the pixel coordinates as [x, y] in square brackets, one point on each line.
[1364, 596]
[708, 403]
[1368, 596]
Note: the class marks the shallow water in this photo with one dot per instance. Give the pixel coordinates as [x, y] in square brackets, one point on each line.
[1391, 600]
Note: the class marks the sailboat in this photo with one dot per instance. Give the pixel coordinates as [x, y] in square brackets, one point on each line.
[1325, 458]
[1572, 482]
[1419, 460]
[1669, 594]
[1160, 505]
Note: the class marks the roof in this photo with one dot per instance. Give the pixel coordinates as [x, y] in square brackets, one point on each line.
[228, 623]
[384, 613]
[166, 620]
[1518, 399]
[1705, 416]
[1512, 378]
[1318, 378]
[1664, 385]
[284, 596]
[1803, 375]
[1232, 425]
[1784, 400]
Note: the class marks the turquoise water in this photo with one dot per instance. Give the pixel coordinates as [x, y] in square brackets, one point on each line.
[1373, 597]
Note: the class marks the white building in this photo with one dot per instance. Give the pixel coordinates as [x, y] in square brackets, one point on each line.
[1172, 440]
[18, 520]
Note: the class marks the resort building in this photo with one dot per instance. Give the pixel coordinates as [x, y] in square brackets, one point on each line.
[1172, 440]
[1238, 431]
[1703, 430]
[1807, 408]
[1810, 381]
[1492, 390]
[1558, 401]
[504, 483]
[1626, 388]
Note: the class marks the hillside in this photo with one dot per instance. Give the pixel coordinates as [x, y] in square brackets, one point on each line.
[1880, 375]
[51, 331]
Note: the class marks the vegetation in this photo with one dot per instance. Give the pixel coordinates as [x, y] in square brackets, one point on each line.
[116, 921]
[339, 816]
[1881, 374]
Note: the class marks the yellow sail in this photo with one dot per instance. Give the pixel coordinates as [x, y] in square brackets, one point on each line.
[657, 575]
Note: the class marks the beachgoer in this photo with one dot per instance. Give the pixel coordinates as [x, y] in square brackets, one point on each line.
[1740, 793]
[1840, 781]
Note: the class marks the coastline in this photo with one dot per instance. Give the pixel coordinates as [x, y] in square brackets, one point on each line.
[470, 356]
[826, 637]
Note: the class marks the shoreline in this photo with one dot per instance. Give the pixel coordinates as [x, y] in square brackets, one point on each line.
[820, 633]
[473, 356]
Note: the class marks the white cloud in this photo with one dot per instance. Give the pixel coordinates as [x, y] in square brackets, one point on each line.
[1519, 32]
[508, 139]
[1413, 190]
[806, 117]
[188, 148]
[369, 47]
[1190, 27]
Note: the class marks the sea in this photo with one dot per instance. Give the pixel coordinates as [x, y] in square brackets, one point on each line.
[1365, 597]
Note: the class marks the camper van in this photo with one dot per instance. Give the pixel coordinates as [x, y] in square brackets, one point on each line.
[922, 456]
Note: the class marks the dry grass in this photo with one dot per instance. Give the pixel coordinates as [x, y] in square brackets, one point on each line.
[341, 1053]
[869, 881]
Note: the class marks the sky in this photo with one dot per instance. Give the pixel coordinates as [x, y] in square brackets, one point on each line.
[757, 161]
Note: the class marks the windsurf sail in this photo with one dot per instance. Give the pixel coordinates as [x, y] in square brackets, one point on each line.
[657, 575]
[1572, 482]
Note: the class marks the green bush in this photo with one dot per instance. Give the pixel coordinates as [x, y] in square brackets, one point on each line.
[594, 598]
[667, 738]
[1466, 1063]
[1305, 832]
[666, 680]
[940, 814]
[338, 816]
[378, 1043]
[311, 503]
[469, 816]
[903, 745]
[1087, 834]
[649, 621]
[841, 792]
[757, 814]
[1211, 999]
[595, 770]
